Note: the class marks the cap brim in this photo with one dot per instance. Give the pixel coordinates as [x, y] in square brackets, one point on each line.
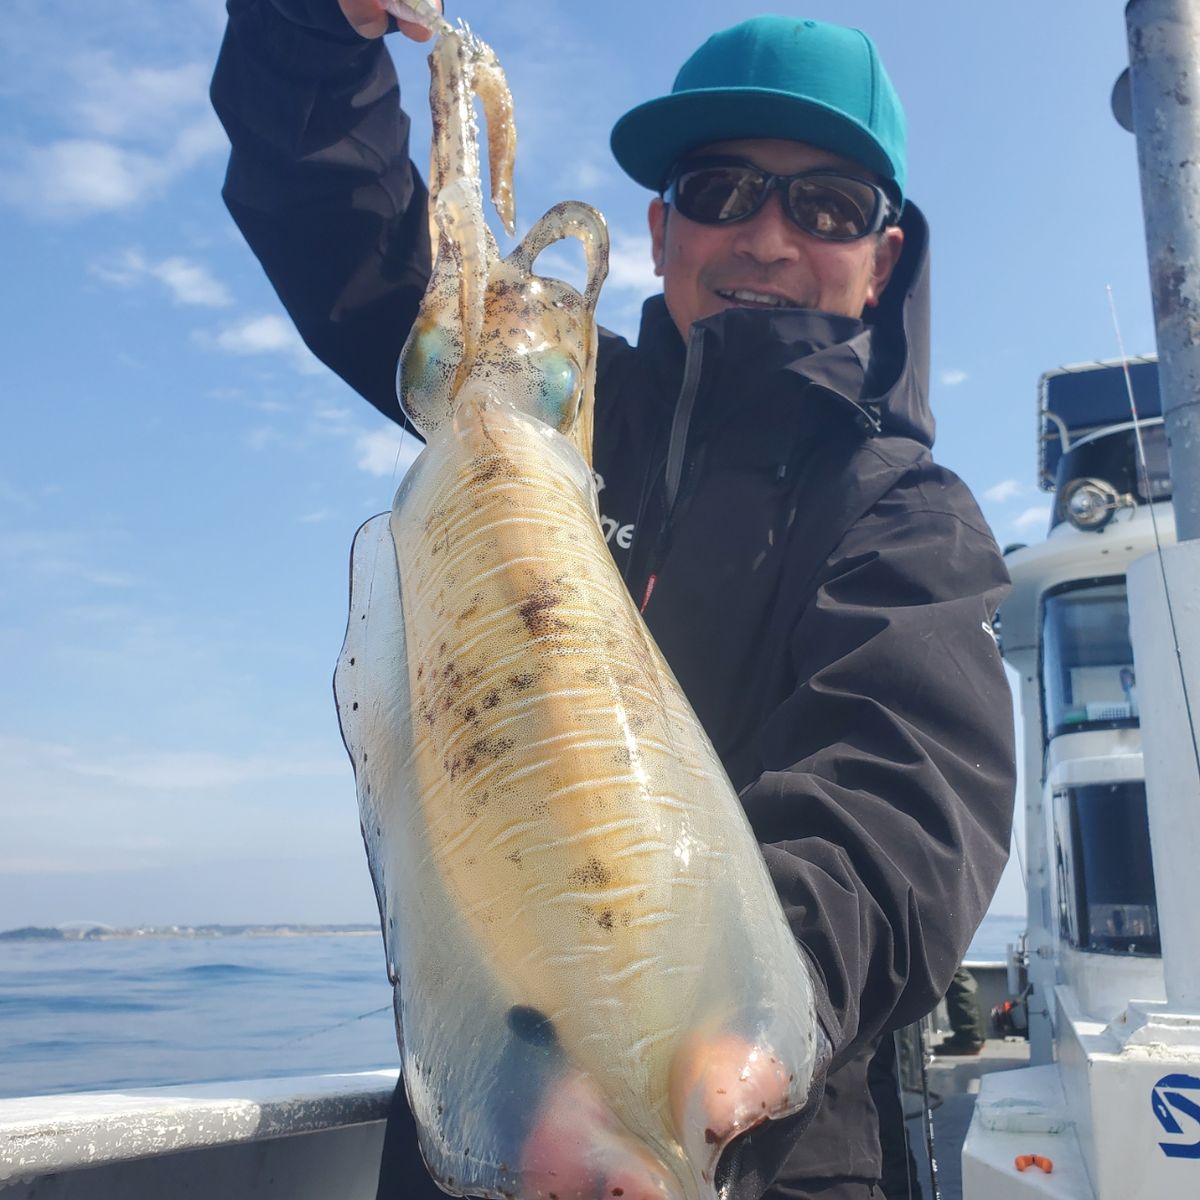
[648, 140]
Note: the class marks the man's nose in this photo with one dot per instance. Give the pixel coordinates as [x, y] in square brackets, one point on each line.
[770, 235]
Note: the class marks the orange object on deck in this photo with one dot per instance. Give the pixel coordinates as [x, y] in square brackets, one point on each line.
[1023, 1161]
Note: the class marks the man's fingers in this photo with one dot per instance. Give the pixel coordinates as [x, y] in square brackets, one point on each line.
[418, 33]
[369, 18]
[407, 22]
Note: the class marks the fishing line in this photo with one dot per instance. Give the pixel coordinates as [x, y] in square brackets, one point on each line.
[925, 1056]
[1016, 845]
[898, 1072]
[304, 1037]
[1144, 471]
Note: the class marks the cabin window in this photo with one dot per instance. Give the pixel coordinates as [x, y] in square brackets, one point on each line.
[1088, 678]
[1106, 895]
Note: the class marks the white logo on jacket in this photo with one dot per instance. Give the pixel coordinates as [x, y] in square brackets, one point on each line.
[613, 529]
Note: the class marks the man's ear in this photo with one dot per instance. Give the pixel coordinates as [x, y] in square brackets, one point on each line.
[656, 217]
[887, 255]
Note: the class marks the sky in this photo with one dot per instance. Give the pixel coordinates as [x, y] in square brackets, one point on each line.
[180, 480]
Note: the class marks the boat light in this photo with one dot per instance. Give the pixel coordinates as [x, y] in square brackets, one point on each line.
[1090, 503]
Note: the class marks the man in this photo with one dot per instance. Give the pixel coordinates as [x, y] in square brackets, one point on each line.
[822, 589]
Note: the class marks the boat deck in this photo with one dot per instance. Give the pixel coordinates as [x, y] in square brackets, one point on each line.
[953, 1086]
[224, 1140]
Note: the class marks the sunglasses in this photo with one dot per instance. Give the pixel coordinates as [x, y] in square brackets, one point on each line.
[825, 203]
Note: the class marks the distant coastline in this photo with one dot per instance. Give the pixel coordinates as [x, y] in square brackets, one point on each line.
[100, 933]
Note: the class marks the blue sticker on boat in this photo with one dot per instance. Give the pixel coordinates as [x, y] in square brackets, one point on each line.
[1175, 1102]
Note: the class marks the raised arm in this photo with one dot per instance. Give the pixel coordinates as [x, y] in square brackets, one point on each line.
[320, 182]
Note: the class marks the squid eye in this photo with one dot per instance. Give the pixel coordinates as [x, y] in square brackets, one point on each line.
[427, 366]
[430, 357]
[558, 380]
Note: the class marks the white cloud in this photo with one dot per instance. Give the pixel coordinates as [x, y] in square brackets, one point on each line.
[1006, 489]
[126, 132]
[109, 579]
[267, 333]
[1031, 517]
[317, 516]
[188, 282]
[196, 769]
[263, 436]
[630, 265]
[333, 415]
[73, 808]
[11, 494]
[388, 451]
[952, 377]
[119, 101]
[191, 282]
[585, 176]
[78, 177]
[59, 554]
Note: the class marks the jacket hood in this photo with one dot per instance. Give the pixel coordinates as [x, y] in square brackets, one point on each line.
[878, 366]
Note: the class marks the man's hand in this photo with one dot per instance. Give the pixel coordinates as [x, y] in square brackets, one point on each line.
[369, 18]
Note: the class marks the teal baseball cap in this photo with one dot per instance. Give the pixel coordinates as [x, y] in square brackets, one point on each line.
[772, 77]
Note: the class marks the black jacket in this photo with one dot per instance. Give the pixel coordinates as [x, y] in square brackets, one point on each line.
[822, 589]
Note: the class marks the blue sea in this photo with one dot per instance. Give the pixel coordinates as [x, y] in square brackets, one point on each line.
[141, 1012]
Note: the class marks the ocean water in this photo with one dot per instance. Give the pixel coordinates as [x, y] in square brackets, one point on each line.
[138, 1012]
[143, 1012]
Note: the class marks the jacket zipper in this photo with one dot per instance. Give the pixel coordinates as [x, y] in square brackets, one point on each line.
[673, 471]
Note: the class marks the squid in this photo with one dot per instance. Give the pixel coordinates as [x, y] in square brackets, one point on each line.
[594, 984]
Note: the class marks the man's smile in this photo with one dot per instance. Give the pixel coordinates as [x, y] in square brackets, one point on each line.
[752, 298]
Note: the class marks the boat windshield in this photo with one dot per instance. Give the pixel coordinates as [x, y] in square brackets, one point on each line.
[1088, 680]
[1106, 898]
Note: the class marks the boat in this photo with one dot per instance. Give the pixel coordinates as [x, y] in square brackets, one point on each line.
[1103, 627]
[1110, 1101]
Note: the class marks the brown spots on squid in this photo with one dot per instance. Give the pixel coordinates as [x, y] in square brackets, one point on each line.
[521, 682]
[481, 750]
[485, 468]
[490, 748]
[538, 611]
[474, 804]
[592, 873]
[472, 609]
[426, 712]
[439, 516]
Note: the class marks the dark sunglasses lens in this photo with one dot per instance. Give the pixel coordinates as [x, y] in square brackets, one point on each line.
[834, 207]
[715, 194]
